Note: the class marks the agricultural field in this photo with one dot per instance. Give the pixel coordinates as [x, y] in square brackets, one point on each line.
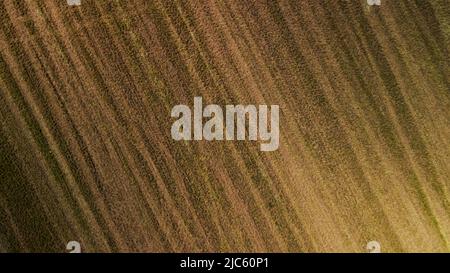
[86, 153]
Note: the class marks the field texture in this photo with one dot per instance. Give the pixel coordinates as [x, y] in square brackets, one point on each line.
[86, 152]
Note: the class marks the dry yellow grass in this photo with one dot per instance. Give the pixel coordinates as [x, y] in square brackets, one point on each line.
[85, 146]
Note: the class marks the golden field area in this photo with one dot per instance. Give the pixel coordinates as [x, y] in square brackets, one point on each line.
[86, 152]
